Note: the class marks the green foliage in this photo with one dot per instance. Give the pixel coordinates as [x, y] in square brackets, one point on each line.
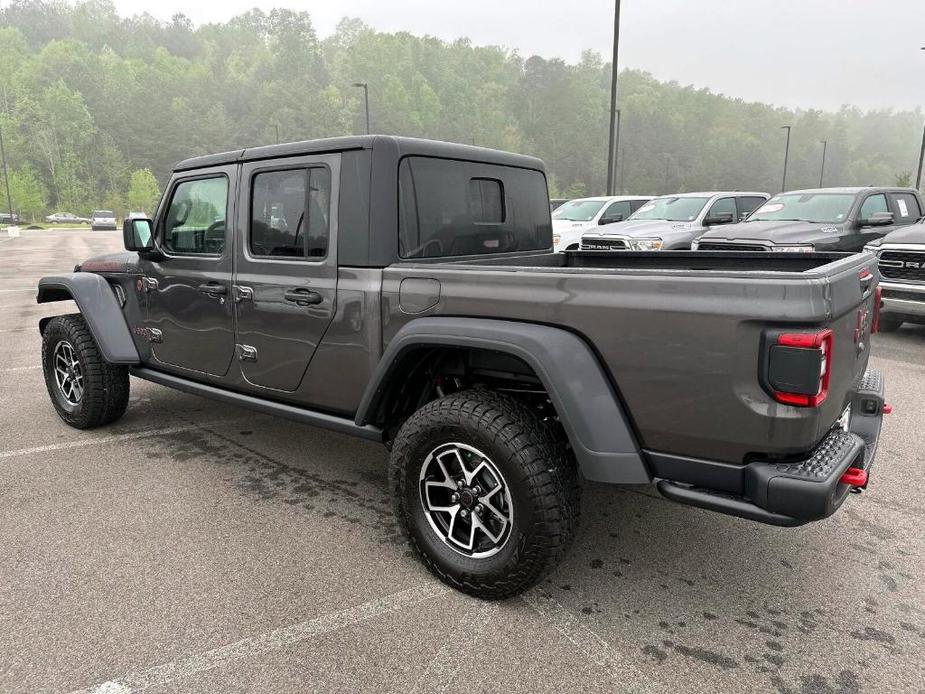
[143, 191]
[98, 108]
[903, 180]
[27, 192]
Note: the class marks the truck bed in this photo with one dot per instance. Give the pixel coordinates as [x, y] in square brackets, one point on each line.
[679, 332]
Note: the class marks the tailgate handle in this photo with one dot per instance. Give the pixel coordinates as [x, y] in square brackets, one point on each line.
[866, 277]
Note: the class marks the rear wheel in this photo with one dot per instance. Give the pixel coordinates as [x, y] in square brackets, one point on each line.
[486, 493]
[85, 390]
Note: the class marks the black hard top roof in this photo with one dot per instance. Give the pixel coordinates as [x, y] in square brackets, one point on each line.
[400, 146]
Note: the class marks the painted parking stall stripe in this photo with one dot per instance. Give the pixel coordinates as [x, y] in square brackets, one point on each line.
[264, 643]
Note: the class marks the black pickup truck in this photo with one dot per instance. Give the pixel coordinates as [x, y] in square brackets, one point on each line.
[821, 219]
[405, 291]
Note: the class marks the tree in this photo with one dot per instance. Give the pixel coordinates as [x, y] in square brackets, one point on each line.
[903, 180]
[143, 191]
[27, 192]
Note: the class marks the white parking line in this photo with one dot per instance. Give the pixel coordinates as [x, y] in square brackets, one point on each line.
[264, 643]
[25, 289]
[116, 438]
[20, 368]
[586, 641]
[458, 650]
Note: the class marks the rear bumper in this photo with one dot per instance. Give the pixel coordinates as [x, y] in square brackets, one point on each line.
[800, 491]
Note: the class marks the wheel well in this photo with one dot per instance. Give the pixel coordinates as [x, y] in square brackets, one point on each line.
[428, 373]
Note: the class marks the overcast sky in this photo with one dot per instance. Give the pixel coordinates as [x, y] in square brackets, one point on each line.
[797, 53]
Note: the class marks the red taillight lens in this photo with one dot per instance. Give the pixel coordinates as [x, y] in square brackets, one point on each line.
[817, 345]
[878, 301]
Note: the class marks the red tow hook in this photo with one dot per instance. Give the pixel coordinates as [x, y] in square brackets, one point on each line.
[887, 408]
[854, 476]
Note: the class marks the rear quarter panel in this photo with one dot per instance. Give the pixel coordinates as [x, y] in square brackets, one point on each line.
[682, 347]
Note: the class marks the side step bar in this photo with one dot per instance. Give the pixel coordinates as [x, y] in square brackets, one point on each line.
[296, 414]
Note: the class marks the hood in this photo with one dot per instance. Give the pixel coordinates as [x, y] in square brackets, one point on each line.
[775, 232]
[119, 262]
[559, 225]
[914, 233]
[642, 228]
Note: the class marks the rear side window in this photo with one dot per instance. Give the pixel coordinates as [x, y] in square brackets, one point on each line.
[747, 205]
[289, 213]
[457, 208]
[195, 219]
[907, 207]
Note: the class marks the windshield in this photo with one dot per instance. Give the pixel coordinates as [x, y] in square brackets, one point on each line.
[103, 213]
[810, 207]
[579, 210]
[671, 209]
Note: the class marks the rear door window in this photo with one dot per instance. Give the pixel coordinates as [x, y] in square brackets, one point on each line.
[906, 207]
[458, 208]
[289, 213]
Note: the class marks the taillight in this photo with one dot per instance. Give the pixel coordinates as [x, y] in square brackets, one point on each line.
[878, 301]
[799, 368]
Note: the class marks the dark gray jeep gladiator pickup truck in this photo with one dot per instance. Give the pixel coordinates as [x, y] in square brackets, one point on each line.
[405, 291]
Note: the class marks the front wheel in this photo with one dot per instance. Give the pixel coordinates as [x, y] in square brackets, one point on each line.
[889, 325]
[486, 493]
[86, 390]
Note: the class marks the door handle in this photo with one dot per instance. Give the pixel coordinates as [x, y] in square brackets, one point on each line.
[213, 289]
[303, 297]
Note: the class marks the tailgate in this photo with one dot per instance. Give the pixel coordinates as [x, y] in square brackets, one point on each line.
[853, 298]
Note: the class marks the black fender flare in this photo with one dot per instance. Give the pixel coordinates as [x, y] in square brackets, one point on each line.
[99, 307]
[595, 423]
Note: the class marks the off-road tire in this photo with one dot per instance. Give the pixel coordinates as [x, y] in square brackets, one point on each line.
[889, 325]
[105, 386]
[538, 468]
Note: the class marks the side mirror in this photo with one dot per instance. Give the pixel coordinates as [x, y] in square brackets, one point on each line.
[877, 219]
[138, 234]
[612, 219]
[725, 218]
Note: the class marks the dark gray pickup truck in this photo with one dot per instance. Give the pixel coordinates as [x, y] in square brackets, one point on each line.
[405, 291]
[821, 219]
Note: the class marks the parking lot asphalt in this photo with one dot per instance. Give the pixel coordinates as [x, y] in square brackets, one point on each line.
[194, 547]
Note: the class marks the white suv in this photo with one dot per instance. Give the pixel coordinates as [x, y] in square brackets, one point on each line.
[571, 220]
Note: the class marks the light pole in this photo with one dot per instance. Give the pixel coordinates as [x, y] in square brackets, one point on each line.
[365, 88]
[614, 113]
[277, 132]
[783, 185]
[617, 181]
[667, 166]
[918, 176]
[825, 143]
[6, 177]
